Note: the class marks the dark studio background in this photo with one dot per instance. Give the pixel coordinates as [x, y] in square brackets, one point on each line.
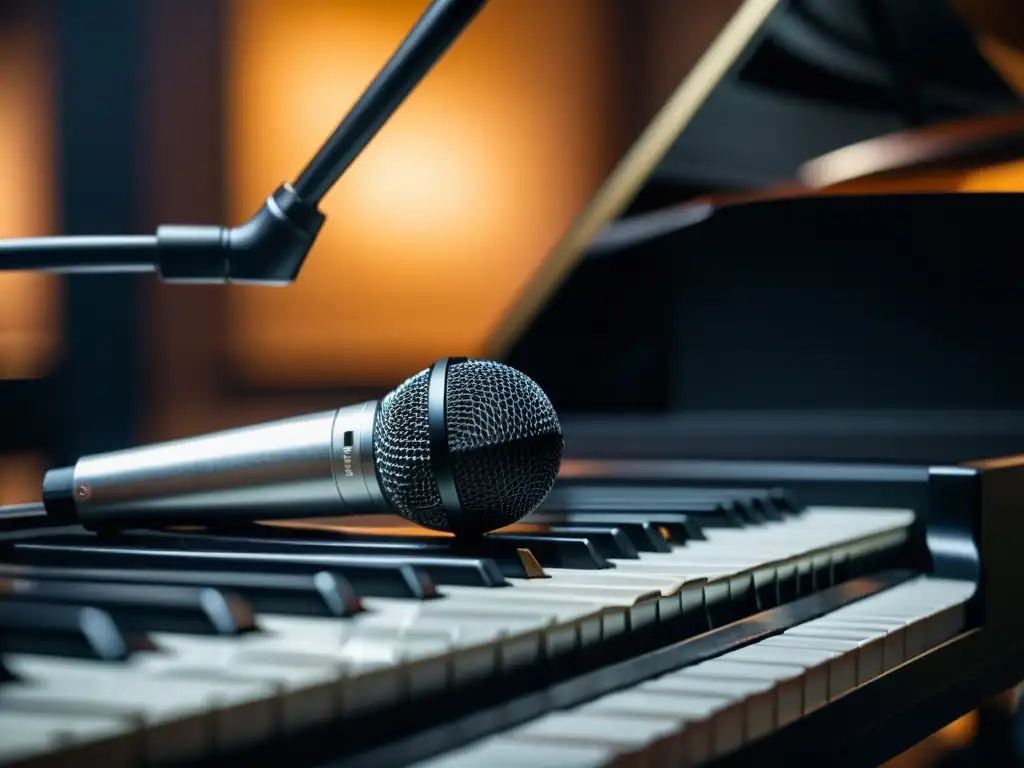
[805, 327]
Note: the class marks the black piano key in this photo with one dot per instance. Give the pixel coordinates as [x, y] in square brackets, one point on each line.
[767, 507]
[677, 527]
[376, 577]
[571, 545]
[508, 560]
[784, 501]
[715, 514]
[775, 503]
[557, 551]
[75, 631]
[144, 607]
[754, 502]
[462, 566]
[316, 594]
[644, 536]
[752, 506]
[610, 541]
[442, 568]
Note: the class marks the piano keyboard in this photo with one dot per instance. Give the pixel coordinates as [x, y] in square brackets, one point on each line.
[162, 648]
[713, 708]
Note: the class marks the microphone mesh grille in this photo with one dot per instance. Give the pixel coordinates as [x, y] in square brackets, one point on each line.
[401, 448]
[506, 442]
[503, 434]
[489, 404]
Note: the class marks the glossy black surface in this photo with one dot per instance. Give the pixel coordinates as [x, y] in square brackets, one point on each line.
[146, 607]
[609, 541]
[441, 566]
[504, 553]
[318, 594]
[680, 526]
[379, 577]
[71, 631]
[644, 536]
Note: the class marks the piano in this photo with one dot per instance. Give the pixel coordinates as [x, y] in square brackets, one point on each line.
[650, 613]
[682, 597]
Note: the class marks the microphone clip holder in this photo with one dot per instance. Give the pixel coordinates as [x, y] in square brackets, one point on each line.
[271, 247]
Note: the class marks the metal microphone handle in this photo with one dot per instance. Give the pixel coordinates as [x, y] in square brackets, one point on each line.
[320, 464]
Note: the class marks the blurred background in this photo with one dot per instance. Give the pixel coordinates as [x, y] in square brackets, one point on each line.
[119, 115]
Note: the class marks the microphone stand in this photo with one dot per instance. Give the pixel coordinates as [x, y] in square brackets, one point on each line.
[270, 248]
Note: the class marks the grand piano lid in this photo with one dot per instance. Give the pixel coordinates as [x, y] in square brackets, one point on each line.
[816, 76]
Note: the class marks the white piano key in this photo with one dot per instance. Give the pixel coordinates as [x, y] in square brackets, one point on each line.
[816, 527]
[870, 645]
[185, 719]
[316, 678]
[672, 588]
[709, 726]
[380, 670]
[842, 670]
[579, 623]
[481, 645]
[649, 741]
[940, 626]
[484, 645]
[612, 577]
[54, 739]
[639, 605]
[504, 752]
[757, 556]
[756, 697]
[907, 599]
[305, 686]
[816, 666]
[846, 654]
[723, 583]
[612, 606]
[930, 610]
[893, 647]
[787, 681]
[787, 547]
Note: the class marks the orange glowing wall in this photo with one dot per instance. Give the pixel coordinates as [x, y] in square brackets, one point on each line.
[434, 229]
[29, 320]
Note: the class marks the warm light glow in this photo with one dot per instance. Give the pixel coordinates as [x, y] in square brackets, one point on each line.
[1008, 177]
[438, 224]
[21, 476]
[960, 732]
[998, 28]
[28, 307]
[938, 746]
[1004, 177]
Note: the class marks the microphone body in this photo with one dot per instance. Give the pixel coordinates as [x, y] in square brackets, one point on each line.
[465, 446]
[319, 464]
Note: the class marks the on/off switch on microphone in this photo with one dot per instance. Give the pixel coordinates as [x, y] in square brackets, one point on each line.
[465, 446]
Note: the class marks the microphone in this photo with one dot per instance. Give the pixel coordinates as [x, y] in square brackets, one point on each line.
[270, 248]
[466, 446]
